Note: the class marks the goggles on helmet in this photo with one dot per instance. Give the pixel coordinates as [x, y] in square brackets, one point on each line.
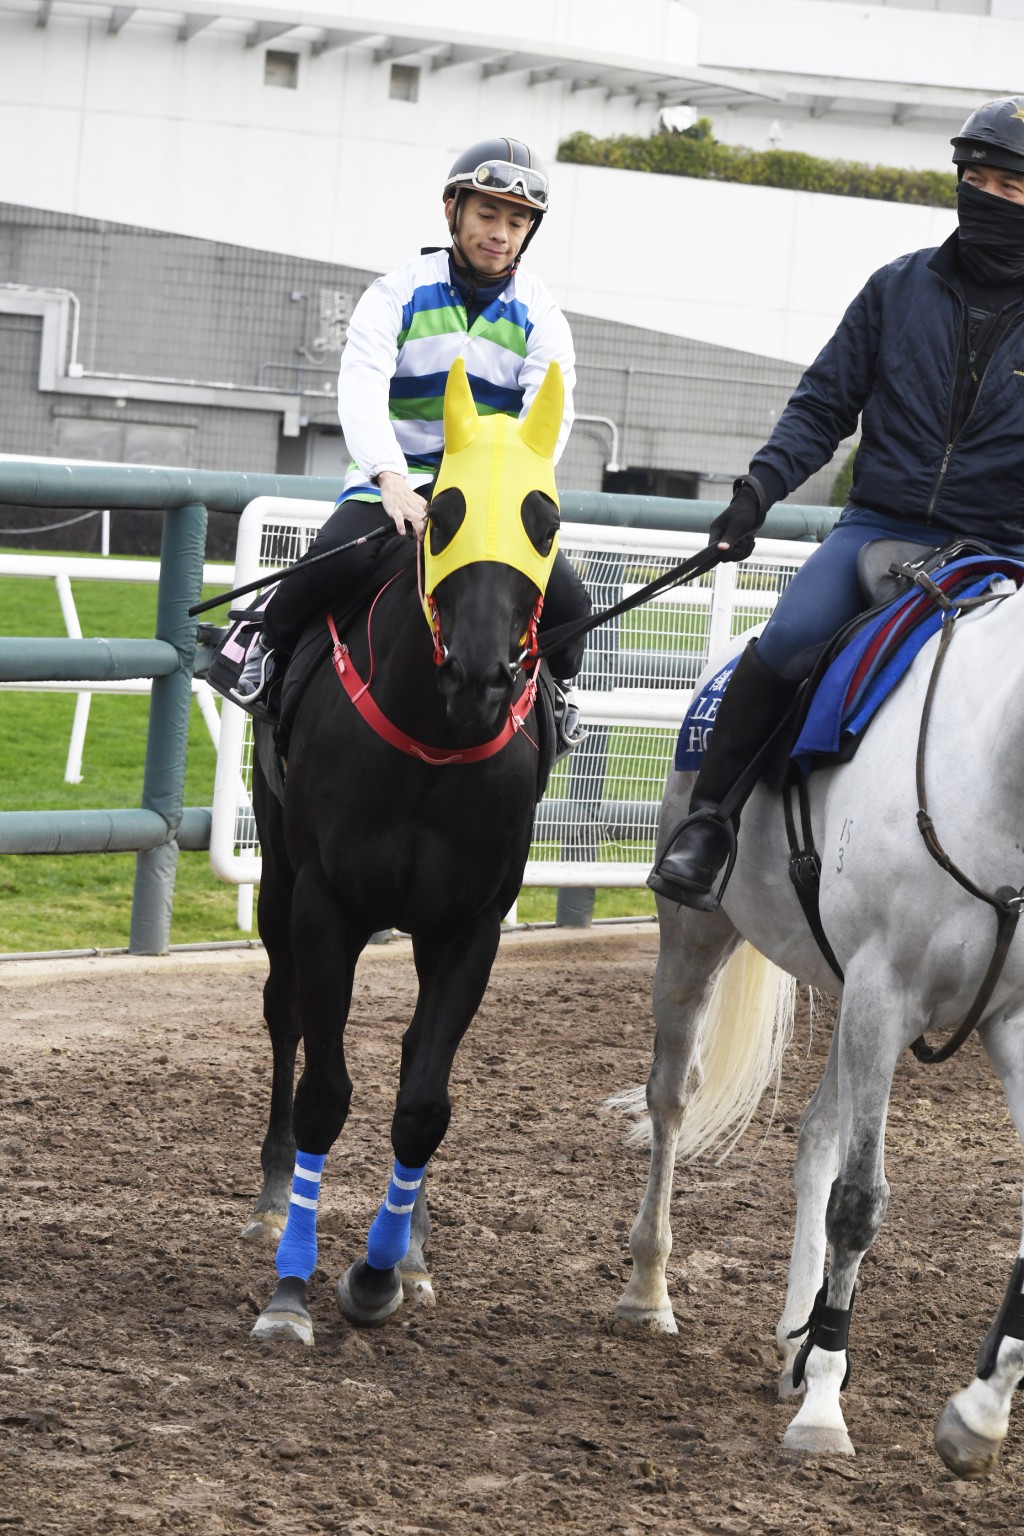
[504, 178]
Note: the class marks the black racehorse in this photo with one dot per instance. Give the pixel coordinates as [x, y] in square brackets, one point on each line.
[407, 802]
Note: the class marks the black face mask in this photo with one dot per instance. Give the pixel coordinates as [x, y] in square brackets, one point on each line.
[991, 235]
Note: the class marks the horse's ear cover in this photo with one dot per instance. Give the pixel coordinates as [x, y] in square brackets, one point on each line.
[543, 421]
[496, 462]
[461, 422]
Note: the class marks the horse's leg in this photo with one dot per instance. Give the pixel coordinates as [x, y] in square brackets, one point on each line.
[277, 1155]
[692, 950]
[973, 1424]
[325, 956]
[870, 1039]
[453, 973]
[813, 1174]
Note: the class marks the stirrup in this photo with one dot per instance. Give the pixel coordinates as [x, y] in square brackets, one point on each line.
[569, 728]
[255, 676]
[693, 896]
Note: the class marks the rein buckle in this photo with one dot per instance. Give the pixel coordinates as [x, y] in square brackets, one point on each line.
[805, 872]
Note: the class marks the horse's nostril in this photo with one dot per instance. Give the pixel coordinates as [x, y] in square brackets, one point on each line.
[452, 673]
[453, 677]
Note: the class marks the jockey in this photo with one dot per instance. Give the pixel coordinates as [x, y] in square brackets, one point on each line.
[930, 356]
[468, 300]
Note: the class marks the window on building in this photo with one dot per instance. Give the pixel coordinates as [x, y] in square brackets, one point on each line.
[405, 82]
[281, 69]
[651, 482]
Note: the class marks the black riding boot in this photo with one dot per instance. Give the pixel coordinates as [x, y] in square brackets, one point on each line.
[752, 707]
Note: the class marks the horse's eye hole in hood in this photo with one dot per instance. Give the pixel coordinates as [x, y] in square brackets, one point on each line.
[446, 516]
[540, 519]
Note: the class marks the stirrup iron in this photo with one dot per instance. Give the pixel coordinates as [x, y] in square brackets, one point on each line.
[255, 676]
[700, 901]
[569, 728]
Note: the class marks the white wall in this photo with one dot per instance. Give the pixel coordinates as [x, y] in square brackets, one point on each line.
[186, 137]
[859, 59]
[139, 128]
[764, 270]
[863, 42]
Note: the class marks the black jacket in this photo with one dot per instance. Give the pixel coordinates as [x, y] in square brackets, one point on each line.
[898, 359]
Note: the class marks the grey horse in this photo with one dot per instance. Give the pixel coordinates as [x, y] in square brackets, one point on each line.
[914, 946]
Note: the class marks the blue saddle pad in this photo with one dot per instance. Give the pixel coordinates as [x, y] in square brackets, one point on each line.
[698, 723]
[865, 671]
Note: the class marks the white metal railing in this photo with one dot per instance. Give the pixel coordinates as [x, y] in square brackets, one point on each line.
[596, 825]
[63, 570]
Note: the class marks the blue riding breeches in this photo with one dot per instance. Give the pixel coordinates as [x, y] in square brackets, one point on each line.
[825, 593]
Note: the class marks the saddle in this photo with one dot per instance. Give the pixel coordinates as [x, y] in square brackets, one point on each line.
[913, 593]
[867, 658]
[860, 666]
[315, 643]
[230, 646]
[816, 729]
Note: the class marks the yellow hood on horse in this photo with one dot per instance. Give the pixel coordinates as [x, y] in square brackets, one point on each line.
[496, 461]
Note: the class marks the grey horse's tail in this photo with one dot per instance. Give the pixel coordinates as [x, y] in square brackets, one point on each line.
[746, 1028]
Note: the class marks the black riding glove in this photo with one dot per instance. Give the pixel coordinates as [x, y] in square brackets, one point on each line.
[739, 522]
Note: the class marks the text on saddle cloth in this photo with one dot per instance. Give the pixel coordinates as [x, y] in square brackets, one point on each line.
[861, 676]
[699, 721]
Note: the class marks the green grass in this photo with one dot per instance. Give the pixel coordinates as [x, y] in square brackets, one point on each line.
[83, 901]
[538, 903]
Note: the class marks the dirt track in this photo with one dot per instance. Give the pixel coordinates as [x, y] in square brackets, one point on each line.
[131, 1399]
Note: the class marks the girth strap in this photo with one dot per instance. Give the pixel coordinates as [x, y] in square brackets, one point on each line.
[804, 863]
[1007, 901]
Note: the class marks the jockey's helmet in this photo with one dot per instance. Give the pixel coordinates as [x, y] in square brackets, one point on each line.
[992, 135]
[503, 168]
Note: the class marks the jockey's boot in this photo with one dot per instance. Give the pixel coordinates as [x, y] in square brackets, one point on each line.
[255, 689]
[754, 704]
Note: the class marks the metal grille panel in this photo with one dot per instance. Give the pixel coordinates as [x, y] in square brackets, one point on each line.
[597, 823]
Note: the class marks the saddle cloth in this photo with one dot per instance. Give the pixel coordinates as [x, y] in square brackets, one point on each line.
[846, 693]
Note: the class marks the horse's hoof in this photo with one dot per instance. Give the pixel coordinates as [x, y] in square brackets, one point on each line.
[817, 1440]
[418, 1287]
[264, 1227]
[283, 1326]
[286, 1316]
[629, 1319]
[368, 1297]
[965, 1453]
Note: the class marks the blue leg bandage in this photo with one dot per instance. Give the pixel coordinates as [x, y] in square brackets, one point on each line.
[388, 1242]
[296, 1252]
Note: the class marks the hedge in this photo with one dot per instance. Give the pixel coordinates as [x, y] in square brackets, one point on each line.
[695, 152]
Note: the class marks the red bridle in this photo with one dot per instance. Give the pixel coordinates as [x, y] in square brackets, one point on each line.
[529, 650]
[358, 692]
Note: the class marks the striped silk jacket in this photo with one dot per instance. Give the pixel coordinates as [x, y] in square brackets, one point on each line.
[404, 335]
